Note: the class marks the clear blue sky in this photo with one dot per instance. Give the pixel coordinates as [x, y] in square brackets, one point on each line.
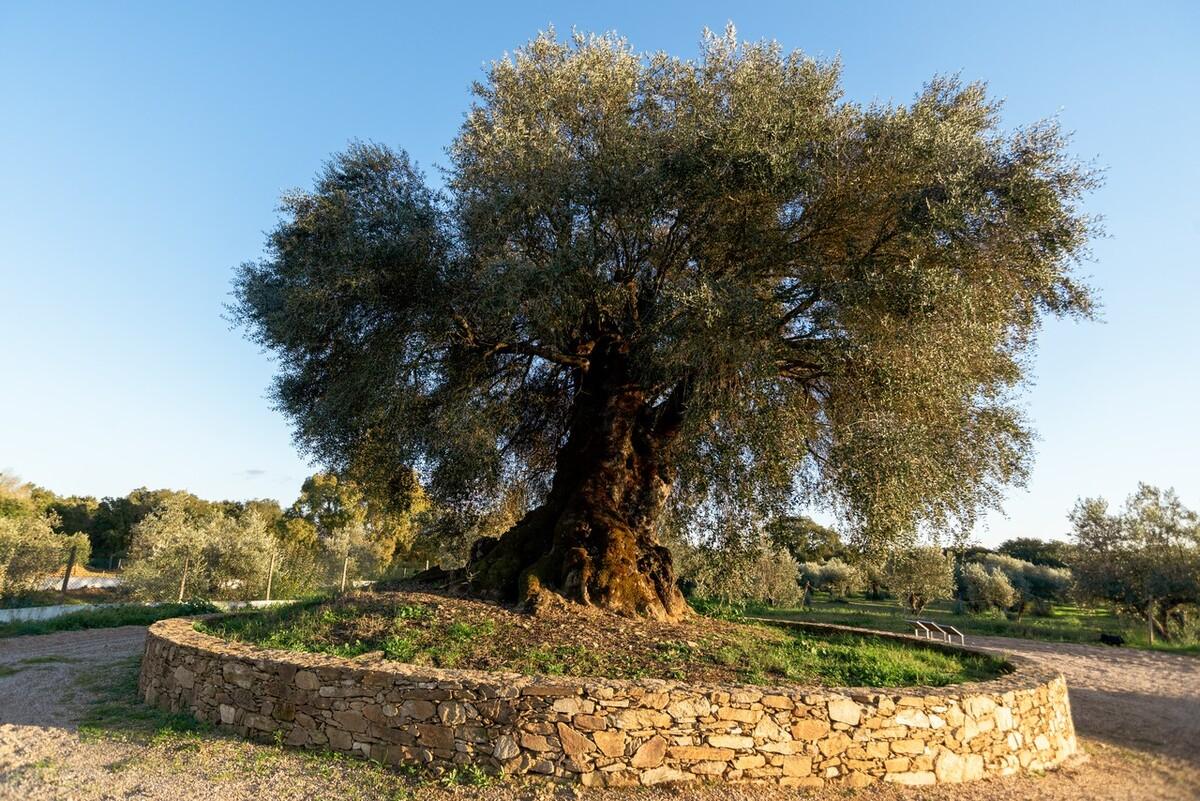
[143, 147]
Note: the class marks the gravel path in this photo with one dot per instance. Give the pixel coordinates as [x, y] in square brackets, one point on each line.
[1138, 714]
[1144, 700]
[40, 692]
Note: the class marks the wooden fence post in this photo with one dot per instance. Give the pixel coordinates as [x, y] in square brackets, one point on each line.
[270, 575]
[183, 579]
[345, 567]
[1150, 620]
[67, 573]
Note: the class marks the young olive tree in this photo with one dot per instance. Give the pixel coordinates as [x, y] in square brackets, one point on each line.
[1033, 585]
[1144, 559]
[32, 552]
[655, 282]
[985, 589]
[834, 576]
[179, 552]
[921, 575]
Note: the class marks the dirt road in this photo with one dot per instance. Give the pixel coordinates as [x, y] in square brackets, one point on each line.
[1144, 700]
[1137, 712]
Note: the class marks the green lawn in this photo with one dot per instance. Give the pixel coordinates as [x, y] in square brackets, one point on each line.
[1066, 623]
[107, 617]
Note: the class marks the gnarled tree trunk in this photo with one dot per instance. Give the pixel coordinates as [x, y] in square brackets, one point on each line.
[592, 540]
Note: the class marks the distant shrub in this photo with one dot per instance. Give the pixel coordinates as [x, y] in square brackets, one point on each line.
[833, 576]
[1034, 587]
[985, 589]
[760, 573]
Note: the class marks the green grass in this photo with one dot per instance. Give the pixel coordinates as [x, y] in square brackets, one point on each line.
[49, 659]
[73, 597]
[116, 711]
[1066, 623]
[753, 653]
[109, 617]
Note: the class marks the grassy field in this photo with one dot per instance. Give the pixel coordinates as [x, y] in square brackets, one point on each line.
[1065, 624]
[108, 617]
[443, 632]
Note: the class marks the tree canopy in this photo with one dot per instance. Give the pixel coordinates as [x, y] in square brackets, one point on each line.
[713, 284]
[1144, 558]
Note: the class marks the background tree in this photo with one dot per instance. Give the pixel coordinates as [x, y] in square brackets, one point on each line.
[834, 576]
[16, 498]
[31, 552]
[1145, 559]
[1036, 586]
[712, 283]
[921, 575]
[804, 538]
[116, 518]
[985, 588]
[1050, 553]
[753, 570]
[337, 505]
[207, 551]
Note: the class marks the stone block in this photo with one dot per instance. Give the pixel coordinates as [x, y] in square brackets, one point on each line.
[734, 741]
[797, 765]
[914, 778]
[700, 753]
[809, 729]
[665, 775]
[650, 754]
[573, 742]
[844, 710]
[610, 743]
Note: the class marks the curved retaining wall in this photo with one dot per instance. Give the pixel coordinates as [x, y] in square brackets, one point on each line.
[612, 732]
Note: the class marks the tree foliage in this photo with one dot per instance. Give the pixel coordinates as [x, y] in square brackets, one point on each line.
[32, 552]
[1144, 558]
[181, 552]
[804, 538]
[1051, 553]
[1033, 585]
[834, 576]
[721, 266]
[985, 588]
[920, 575]
[758, 572]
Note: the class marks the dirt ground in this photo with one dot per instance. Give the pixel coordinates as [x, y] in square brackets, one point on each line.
[1137, 712]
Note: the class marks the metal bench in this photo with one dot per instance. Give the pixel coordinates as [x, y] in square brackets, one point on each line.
[928, 628]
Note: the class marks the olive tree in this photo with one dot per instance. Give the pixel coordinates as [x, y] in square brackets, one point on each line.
[834, 576]
[920, 575]
[753, 571]
[179, 552]
[655, 283]
[1033, 585]
[1144, 558]
[985, 588]
[31, 552]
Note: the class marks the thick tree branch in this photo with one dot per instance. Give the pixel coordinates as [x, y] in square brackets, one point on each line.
[491, 348]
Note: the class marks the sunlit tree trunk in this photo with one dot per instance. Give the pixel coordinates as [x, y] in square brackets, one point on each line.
[593, 538]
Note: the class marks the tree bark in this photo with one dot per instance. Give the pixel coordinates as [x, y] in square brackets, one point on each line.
[593, 539]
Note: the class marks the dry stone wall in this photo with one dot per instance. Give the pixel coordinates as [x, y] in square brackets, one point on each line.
[610, 732]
